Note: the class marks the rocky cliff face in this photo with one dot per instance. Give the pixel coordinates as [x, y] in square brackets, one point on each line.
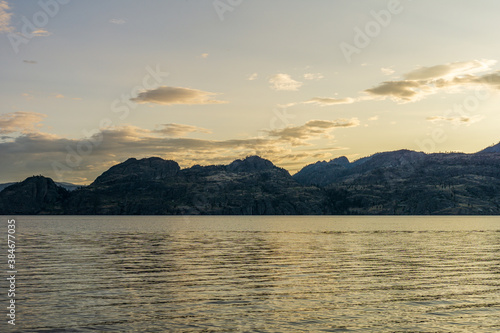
[340, 169]
[431, 184]
[251, 164]
[133, 170]
[253, 186]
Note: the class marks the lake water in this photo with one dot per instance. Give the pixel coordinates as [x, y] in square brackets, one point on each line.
[255, 274]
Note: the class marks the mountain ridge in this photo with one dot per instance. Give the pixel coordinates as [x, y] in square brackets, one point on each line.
[397, 182]
[153, 186]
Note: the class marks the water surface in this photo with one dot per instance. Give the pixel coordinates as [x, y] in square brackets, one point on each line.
[257, 274]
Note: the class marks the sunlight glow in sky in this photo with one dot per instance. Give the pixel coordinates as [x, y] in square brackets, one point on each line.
[86, 85]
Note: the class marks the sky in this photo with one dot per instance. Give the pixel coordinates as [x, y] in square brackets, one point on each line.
[89, 84]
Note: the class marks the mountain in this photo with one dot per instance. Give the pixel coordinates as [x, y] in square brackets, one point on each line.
[491, 149]
[5, 185]
[68, 186]
[323, 173]
[35, 195]
[153, 186]
[413, 183]
[398, 182]
[340, 169]
[251, 164]
[133, 170]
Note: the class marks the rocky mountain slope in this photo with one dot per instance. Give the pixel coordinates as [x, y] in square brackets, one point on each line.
[68, 186]
[155, 186]
[35, 195]
[398, 182]
[407, 182]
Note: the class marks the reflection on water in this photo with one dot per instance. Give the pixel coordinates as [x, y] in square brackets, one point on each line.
[143, 274]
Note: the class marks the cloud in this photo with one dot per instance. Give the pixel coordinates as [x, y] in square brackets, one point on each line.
[253, 77]
[373, 118]
[449, 70]
[398, 90]
[491, 80]
[324, 101]
[297, 135]
[387, 71]
[175, 95]
[5, 17]
[41, 33]
[284, 82]
[20, 121]
[313, 76]
[462, 120]
[34, 152]
[27, 96]
[286, 105]
[37, 153]
[59, 96]
[117, 21]
[425, 81]
[5, 22]
[178, 130]
[204, 55]
[32, 62]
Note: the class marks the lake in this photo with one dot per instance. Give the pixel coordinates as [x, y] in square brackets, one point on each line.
[254, 274]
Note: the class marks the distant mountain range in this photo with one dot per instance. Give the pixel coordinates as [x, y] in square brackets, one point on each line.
[399, 182]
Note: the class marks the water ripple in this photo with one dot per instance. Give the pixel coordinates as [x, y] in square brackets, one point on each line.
[206, 280]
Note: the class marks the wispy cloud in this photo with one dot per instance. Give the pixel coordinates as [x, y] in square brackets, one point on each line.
[297, 135]
[326, 101]
[253, 76]
[462, 120]
[449, 70]
[425, 81]
[204, 55]
[31, 62]
[313, 76]
[284, 82]
[399, 90]
[20, 121]
[5, 18]
[41, 33]
[176, 95]
[387, 70]
[416, 84]
[28, 97]
[179, 130]
[117, 21]
[7, 27]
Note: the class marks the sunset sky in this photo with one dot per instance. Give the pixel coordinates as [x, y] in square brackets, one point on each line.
[88, 84]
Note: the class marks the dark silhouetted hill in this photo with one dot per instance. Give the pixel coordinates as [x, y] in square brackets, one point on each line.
[35, 195]
[399, 182]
